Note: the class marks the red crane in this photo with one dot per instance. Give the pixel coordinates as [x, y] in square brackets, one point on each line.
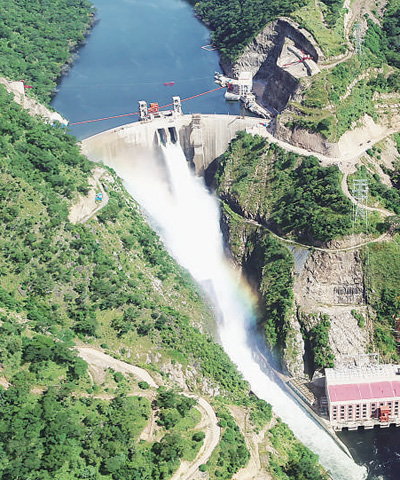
[300, 60]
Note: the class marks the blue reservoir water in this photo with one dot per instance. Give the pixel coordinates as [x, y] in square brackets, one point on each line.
[136, 47]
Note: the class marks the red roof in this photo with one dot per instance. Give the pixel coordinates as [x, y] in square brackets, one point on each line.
[364, 391]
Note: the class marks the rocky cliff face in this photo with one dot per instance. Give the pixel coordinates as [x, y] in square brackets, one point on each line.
[273, 85]
[294, 351]
[332, 283]
[34, 108]
[326, 282]
[313, 142]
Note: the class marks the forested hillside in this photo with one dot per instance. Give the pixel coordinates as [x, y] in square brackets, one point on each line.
[37, 37]
[359, 78]
[107, 283]
[61, 281]
[264, 190]
[235, 23]
[391, 28]
[292, 194]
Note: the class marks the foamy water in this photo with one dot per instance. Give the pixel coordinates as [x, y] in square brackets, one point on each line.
[187, 218]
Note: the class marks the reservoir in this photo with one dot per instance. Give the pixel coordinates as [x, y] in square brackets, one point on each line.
[137, 46]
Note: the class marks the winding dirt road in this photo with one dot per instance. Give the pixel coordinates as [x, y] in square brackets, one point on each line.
[345, 188]
[97, 358]
[253, 470]
[347, 161]
[208, 423]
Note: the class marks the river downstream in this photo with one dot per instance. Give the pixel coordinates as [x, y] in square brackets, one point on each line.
[137, 46]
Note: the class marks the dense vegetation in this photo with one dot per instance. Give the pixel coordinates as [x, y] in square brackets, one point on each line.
[36, 39]
[234, 23]
[57, 435]
[334, 8]
[293, 461]
[275, 288]
[97, 440]
[281, 189]
[231, 453]
[391, 27]
[271, 263]
[314, 205]
[382, 261]
[318, 337]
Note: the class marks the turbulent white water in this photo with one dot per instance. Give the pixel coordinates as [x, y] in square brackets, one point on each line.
[187, 218]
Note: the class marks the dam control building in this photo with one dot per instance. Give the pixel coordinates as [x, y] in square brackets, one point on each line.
[363, 396]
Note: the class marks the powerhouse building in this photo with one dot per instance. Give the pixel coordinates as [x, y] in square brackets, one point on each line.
[363, 396]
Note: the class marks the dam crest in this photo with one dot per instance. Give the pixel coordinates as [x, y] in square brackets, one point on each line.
[202, 137]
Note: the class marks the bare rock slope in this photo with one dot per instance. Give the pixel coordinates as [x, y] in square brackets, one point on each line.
[332, 283]
[34, 108]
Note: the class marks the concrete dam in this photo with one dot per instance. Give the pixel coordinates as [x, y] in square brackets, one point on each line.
[203, 138]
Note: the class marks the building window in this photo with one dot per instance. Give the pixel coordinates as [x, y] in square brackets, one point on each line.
[350, 412]
[396, 408]
[364, 410]
[341, 412]
[334, 413]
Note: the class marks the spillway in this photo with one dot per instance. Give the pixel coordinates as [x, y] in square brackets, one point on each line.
[186, 216]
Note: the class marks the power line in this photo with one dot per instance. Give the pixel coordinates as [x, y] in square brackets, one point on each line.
[137, 113]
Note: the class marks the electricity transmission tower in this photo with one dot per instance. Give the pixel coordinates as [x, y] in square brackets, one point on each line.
[358, 39]
[360, 193]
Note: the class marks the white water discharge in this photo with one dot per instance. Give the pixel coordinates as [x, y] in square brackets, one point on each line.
[187, 219]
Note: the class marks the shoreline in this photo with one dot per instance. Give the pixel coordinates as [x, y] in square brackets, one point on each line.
[74, 54]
